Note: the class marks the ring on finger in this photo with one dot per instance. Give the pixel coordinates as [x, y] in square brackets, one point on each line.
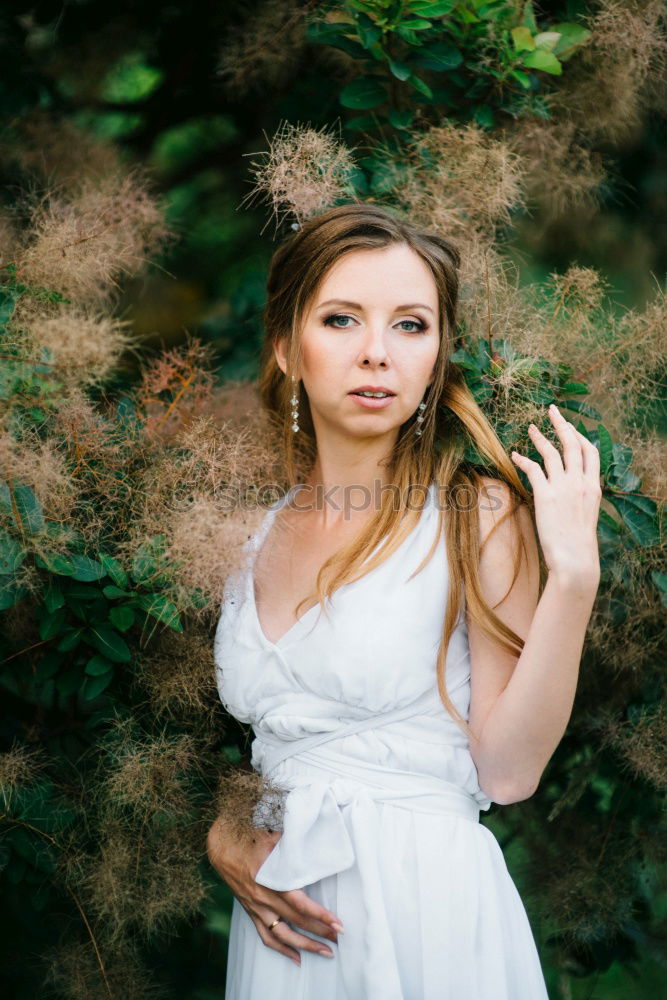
[276, 921]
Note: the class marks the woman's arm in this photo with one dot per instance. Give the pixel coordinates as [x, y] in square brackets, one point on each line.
[520, 707]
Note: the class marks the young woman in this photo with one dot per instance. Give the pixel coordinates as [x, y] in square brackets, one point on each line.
[434, 669]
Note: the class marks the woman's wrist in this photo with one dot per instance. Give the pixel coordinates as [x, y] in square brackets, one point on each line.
[579, 581]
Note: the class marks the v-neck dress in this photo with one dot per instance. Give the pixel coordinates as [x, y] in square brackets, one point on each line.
[381, 801]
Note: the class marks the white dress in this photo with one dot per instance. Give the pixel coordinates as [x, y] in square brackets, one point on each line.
[381, 818]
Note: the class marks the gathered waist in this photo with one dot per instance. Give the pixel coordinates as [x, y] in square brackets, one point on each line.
[347, 777]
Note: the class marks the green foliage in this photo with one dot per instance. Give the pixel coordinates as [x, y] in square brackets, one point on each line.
[82, 617]
[90, 611]
[477, 60]
[35, 816]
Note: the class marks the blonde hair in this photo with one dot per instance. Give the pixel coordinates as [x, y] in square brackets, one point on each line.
[452, 419]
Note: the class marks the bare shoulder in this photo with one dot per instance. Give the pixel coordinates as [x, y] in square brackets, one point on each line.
[507, 540]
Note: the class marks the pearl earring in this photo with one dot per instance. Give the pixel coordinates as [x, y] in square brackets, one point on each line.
[295, 406]
[418, 429]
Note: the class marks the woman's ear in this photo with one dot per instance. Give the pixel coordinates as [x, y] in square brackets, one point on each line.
[280, 351]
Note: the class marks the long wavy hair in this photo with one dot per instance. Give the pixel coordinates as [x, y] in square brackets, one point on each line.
[452, 420]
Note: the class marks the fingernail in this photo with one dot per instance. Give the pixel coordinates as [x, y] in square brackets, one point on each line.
[337, 926]
[329, 954]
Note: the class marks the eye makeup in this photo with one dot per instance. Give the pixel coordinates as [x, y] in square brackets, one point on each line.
[327, 321]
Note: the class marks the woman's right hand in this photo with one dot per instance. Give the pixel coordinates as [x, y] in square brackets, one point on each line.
[238, 864]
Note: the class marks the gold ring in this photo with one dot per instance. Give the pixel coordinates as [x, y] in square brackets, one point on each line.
[274, 923]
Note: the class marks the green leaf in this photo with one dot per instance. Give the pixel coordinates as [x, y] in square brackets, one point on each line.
[640, 522]
[579, 406]
[606, 449]
[232, 754]
[369, 33]
[53, 597]
[11, 554]
[6, 500]
[92, 686]
[321, 33]
[86, 569]
[660, 580]
[522, 78]
[364, 123]
[110, 643]
[483, 115]
[464, 359]
[432, 8]
[620, 476]
[542, 395]
[544, 61]
[438, 56]
[111, 591]
[10, 593]
[98, 665]
[114, 570]
[122, 617]
[365, 92]
[529, 16]
[419, 85]
[547, 40]
[70, 640]
[55, 562]
[490, 10]
[574, 388]
[51, 624]
[29, 508]
[398, 69]
[401, 119]
[608, 528]
[572, 37]
[523, 39]
[162, 608]
[411, 37]
[417, 25]
[8, 298]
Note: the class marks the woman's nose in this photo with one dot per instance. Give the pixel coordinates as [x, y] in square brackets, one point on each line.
[375, 341]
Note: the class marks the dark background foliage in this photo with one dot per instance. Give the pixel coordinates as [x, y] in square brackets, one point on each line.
[179, 90]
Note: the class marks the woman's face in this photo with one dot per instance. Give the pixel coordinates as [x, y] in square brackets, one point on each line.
[372, 322]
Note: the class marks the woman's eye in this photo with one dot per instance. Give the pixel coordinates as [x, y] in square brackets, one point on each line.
[420, 327]
[327, 321]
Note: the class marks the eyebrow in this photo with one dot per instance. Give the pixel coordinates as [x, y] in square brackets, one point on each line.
[356, 305]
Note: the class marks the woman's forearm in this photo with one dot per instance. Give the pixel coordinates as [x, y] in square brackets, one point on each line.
[529, 718]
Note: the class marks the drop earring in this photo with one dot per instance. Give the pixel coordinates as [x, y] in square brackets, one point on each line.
[420, 418]
[295, 406]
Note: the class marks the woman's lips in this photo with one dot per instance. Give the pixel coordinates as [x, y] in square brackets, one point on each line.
[372, 402]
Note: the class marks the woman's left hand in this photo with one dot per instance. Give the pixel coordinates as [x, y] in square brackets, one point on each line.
[567, 503]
